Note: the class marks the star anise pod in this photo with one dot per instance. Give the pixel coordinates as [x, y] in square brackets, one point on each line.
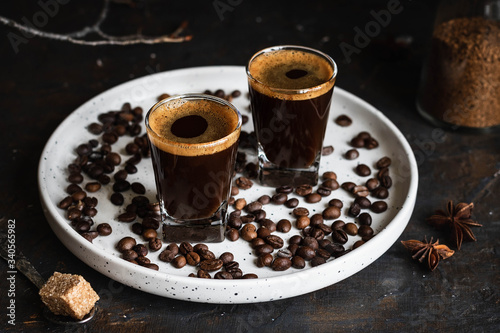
[429, 251]
[458, 220]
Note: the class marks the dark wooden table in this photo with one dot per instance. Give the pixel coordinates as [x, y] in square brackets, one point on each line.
[43, 80]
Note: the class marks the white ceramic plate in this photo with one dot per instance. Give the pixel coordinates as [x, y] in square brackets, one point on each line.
[271, 285]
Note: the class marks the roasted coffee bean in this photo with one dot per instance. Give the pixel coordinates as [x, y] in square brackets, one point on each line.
[141, 260]
[323, 227]
[80, 195]
[292, 203]
[316, 261]
[363, 202]
[179, 261]
[310, 242]
[339, 224]
[82, 226]
[65, 203]
[372, 184]
[126, 243]
[382, 173]
[257, 242]
[330, 184]
[357, 244]
[167, 255]
[93, 187]
[95, 128]
[351, 154]
[84, 149]
[74, 168]
[192, 258]
[306, 252]
[132, 148]
[284, 226]
[334, 248]
[223, 276]
[263, 249]
[253, 206]
[303, 190]
[298, 262]
[363, 170]
[348, 186]
[248, 232]
[104, 229]
[357, 142]
[313, 198]
[279, 198]
[121, 186]
[173, 247]
[354, 210]
[152, 266]
[149, 234]
[73, 213]
[300, 211]
[275, 241]
[244, 183]
[113, 159]
[365, 219]
[240, 203]
[281, 264]
[380, 192]
[211, 265]
[336, 203]
[386, 181]
[287, 189]
[365, 231]
[317, 233]
[185, 248]
[384, 162]
[284, 253]
[203, 274]
[316, 219]
[343, 120]
[378, 207]
[72, 188]
[371, 143]
[331, 213]
[130, 168]
[263, 232]
[138, 188]
[259, 214]
[129, 255]
[323, 191]
[235, 222]
[360, 191]
[250, 276]
[200, 247]
[110, 138]
[137, 228]
[141, 250]
[265, 199]
[247, 218]
[120, 175]
[127, 217]
[140, 201]
[351, 229]
[226, 257]
[233, 234]
[303, 222]
[327, 150]
[75, 178]
[155, 244]
[104, 179]
[296, 239]
[329, 175]
[339, 236]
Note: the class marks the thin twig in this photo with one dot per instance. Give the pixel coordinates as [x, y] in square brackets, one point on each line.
[74, 37]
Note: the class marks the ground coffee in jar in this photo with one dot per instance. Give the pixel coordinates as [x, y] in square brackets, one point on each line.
[461, 80]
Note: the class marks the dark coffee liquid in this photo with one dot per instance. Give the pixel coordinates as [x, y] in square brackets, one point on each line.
[193, 187]
[290, 124]
[193, 145]
[291, 132]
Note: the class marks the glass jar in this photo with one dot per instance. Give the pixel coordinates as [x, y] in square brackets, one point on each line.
[460, 85]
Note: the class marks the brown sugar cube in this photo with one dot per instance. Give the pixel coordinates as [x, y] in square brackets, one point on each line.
[68, 295]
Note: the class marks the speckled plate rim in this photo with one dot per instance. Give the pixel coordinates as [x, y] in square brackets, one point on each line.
[228, 291]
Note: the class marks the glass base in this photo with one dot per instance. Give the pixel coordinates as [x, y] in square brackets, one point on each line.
[209, 230]
[272, 175]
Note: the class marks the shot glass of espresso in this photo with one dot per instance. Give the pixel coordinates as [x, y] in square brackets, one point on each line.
[194, 141]
[290, 94]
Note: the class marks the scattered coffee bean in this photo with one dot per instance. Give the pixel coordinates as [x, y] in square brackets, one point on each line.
[330, 184]
[292, 203]
[343, 120]
[300, 211]
[240, 203]
[281, 264]
[303, 190]
[141, 250]
[263, 232]
[357, 244]
[126, 243]
[284, 253]
[360, 191]
[380, 192]
[93, 187]
[378, 206]
[265, 199]
[329, 175]
[348, 186]
[384, 162]
[313, 198]
[287, 189]
[179, 261]
[284, 226]
[351, 154]
[211, 265]
[306, 252]
[323, 191]
[354, 210]
[104, 229]
[365, 231]
[339, 236]
[327, 150]
[298, 262]
[303, 222]
[365, 219]
[138, 188]
[279, 198]
[331, 213]
[248, 232]
[363, 170]
[244, 183]
[254, 206]
[263, 249]
[149, 234]
[316, 261]
[192, 258]
[336, 203]
[185, 248]
[226, 257]
[275, 241]
[351, 229]
[155, 244]
[127, 217]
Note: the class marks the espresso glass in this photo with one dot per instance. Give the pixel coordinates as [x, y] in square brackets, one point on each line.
[194, 141]
[290, 95]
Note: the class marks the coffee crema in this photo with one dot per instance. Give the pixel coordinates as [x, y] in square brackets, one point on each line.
[193, 127]
[277, 71]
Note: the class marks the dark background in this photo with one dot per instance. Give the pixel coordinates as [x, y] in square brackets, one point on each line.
[45, 80]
